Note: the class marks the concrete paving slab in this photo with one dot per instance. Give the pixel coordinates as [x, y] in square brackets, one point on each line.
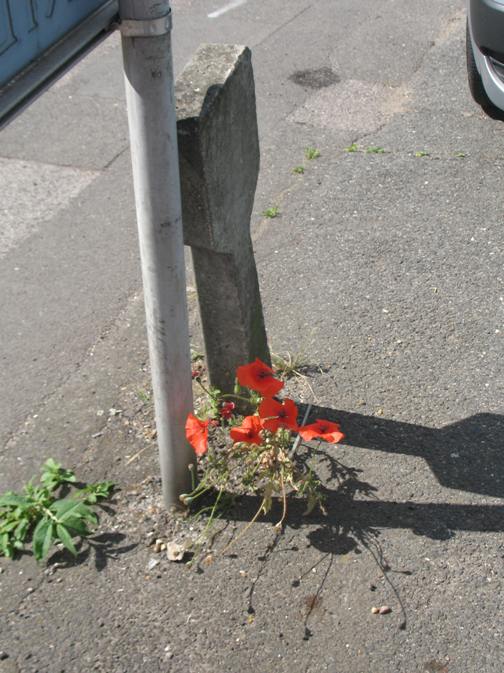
[33, 193]
[78, 241]
[99, 75]
[68, 130]
[353, 105]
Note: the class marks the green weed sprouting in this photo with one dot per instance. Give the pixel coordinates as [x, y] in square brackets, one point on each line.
[312, 153]
[55, 510]
[272, 212]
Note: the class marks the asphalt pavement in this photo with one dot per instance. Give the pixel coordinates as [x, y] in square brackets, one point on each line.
[384, 268]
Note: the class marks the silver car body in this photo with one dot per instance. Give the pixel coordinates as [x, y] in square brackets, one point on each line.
[492, 83]
[490, 70]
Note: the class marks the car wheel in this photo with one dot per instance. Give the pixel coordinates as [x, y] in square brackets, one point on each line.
[474, 78]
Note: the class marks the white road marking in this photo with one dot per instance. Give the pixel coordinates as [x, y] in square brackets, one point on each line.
[231, 5]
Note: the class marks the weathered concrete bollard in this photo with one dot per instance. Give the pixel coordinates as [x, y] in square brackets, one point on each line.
[219, 164]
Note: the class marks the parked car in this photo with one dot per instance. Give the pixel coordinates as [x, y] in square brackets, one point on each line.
[485, 53]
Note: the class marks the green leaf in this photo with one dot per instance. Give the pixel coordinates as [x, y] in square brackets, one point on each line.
[11, 499]
[39, 537]
[53, 474]
[352, 148]
[89, 515]
[77, 527]
[48, 539]
[69, 508]
[66, 539]
[5, 546]
[91, 499]
[98, 491]
[51, 465]
[21, 530]
[36, 495]
[312, 153]
[65, 508]
[9, 526]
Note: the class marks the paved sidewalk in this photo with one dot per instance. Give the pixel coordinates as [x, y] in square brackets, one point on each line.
[385, 270]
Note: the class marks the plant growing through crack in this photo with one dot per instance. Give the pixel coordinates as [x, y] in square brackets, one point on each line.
[312, 153]
[272, 212]
[290, 364]
[57, 510]
[248, 442]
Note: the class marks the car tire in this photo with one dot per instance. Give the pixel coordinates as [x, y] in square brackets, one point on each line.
[474, 78]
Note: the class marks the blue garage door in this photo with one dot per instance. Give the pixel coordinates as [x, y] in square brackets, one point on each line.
[29, 27]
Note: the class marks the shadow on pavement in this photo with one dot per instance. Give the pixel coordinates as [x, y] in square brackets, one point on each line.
[345, 528]
[467, 455]
[103, 547]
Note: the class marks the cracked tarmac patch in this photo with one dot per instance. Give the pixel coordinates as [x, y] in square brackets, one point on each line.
[315, 78]
[353, 105]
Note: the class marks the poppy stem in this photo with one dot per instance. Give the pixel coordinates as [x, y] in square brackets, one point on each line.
[236, 397]
[204, 388]
[278, 526]
[211, 517]
[197, 492]
[254, 518]
[298, 438]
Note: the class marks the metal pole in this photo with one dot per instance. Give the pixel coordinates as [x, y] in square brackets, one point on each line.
[148, 70]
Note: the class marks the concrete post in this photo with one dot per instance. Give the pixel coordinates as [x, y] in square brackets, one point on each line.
[146, 44]
[219, 165]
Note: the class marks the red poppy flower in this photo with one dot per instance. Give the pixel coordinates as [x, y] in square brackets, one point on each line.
[248, 431]
[326, 430]
[197, 434]
[227, 409]
[278, 414]
[259, 377]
